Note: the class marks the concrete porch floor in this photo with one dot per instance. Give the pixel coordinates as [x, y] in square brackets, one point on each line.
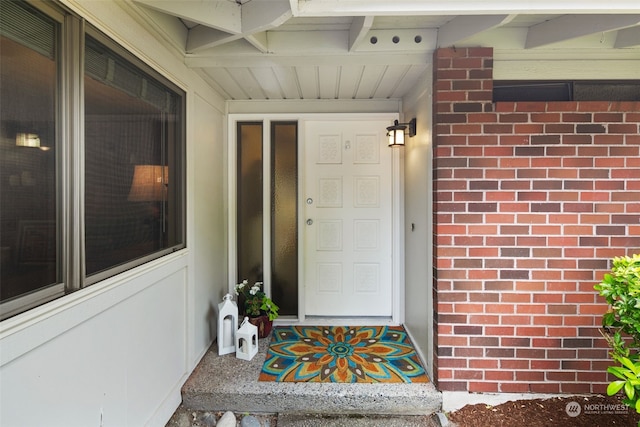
[225, 383]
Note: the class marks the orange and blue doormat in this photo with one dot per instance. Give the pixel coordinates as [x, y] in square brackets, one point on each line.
[342, 354]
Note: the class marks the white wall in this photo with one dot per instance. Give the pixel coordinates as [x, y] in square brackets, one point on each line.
[108, 359]
[418, 211]
[209, 222]
[117, 353]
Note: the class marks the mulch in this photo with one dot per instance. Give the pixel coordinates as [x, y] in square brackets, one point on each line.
[573, 411]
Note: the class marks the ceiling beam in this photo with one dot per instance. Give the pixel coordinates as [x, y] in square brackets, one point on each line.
[577, 54]
[463, 27]
[221, 15]
[460, 7]
[264, 15]
[259, 41]
[301, 60]
[572, 26]
[313, 43]
[256, 17]
[560, 69]
[201, 37]
[359, 29]
[401, 40]
[293, 5]
[628, 37]
[304, 42]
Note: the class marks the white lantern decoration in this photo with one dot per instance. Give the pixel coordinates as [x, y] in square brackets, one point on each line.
[227, 325]
[246, 340]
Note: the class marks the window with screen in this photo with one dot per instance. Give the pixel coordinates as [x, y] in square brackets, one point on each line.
[79, 206]
[133, 158]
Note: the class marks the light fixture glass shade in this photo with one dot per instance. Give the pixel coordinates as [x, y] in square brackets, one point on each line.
[27, 140]
[149, 183]
[396, 137]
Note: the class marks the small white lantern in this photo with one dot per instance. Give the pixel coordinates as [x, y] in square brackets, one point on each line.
[246, 340]
[227, 325]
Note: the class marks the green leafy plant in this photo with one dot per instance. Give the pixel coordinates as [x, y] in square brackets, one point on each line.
[621, 326]
[255, 301]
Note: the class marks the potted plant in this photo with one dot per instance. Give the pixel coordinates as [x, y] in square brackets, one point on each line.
[257, 306]
[621, 290]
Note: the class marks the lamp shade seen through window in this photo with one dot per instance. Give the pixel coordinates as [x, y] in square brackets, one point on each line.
[149, 183]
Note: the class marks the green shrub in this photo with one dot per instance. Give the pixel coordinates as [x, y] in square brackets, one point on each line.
[621, 290]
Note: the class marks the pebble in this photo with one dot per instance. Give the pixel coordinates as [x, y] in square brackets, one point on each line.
[227, 420]
[182, 420]
[250, 421]
[208, 420]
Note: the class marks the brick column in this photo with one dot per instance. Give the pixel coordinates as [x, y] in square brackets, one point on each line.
[532, 199]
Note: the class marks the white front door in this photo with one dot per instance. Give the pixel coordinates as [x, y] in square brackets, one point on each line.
[348, 241]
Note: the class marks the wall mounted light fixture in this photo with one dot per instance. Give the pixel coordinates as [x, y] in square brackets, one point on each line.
[395, 133]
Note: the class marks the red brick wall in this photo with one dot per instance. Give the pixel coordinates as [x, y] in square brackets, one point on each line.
[532, 199]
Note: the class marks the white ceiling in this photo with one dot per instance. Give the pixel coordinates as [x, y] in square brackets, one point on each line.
[325, 49]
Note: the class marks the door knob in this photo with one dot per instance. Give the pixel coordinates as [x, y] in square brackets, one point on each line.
[309, 221]
[309, 201]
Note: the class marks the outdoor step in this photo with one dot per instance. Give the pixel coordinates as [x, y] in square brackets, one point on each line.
[225, 383]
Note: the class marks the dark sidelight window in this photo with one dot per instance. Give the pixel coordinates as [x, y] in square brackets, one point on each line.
[284, 216]
[249, 210]
[275, 162]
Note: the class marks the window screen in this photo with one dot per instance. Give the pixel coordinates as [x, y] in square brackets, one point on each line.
[29, 228]
[75, 209]
[133, 187]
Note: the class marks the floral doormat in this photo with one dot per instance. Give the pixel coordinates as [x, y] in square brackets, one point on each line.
[362, 354]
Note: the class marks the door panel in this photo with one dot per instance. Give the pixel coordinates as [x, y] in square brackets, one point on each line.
[348, 219]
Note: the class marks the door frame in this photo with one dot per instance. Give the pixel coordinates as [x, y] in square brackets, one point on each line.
[398, 288]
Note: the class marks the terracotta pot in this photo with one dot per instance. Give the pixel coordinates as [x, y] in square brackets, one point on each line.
[263, 324]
